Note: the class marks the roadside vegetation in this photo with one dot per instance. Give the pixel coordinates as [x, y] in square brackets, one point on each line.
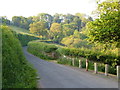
[49, 51]
[16, 71]
[61, 37]
[43, 50]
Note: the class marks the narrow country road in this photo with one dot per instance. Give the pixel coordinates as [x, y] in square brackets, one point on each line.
[59, 76]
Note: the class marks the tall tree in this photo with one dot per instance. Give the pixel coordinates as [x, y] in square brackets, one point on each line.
[38, 28]
[106, 29]
[56, 32]
[44, 17]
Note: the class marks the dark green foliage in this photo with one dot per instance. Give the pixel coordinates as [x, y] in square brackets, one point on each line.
[25, 38]
[64, 61]
[22, 22]
[16, 72]
[4, 20]
[43, 50]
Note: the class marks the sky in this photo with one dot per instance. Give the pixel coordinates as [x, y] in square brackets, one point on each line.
[28, 8]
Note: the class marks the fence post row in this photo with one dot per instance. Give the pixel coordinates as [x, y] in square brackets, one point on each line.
[95, 68]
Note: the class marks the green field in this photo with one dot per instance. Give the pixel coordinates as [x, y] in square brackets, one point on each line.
[19, 30]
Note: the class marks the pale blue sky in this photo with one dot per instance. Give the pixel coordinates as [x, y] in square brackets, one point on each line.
[27, 8]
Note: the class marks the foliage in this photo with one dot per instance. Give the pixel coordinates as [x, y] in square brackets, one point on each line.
[22, 22]
[44, 17]
[56, 32]
[106, 28]
[17, 72]
[76, 40]
[25, 38]
[18, 29]
[43, 50]
[101, 67]
[95, 56]
[67, 29]
[4, 20]
[38, 28]
[81, 53]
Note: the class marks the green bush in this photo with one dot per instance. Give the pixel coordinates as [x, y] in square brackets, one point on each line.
[17, 72]
[43, 50]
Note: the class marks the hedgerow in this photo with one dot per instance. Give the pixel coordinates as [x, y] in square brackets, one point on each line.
[16, 71]
[90, 55]
[43, 50]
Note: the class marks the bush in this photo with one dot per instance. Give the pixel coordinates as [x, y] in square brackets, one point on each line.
[17, 73]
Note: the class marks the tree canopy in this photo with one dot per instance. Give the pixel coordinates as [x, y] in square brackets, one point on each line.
[106, 28]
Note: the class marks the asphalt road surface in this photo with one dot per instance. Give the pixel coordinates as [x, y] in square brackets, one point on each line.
[54, 75]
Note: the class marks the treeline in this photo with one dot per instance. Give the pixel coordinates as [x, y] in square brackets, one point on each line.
[16, 71]
[78, 20]
[54, 27]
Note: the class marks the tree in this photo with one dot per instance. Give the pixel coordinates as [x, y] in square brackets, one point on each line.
[44, 17]
[4, 20]
[22, 22]
[106, 29]
[56, 32]
[77, 21]
[67, 29]
[38, 28]
[57, 18]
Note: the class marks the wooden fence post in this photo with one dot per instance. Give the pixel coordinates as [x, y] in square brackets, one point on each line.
[95, 68]
[106, 69]
[86, 64]
[118, 73]
[73, 61]
[80, 64]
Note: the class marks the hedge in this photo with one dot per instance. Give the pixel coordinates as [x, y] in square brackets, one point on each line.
[43, 50]
[91, 55]
[16, 71]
